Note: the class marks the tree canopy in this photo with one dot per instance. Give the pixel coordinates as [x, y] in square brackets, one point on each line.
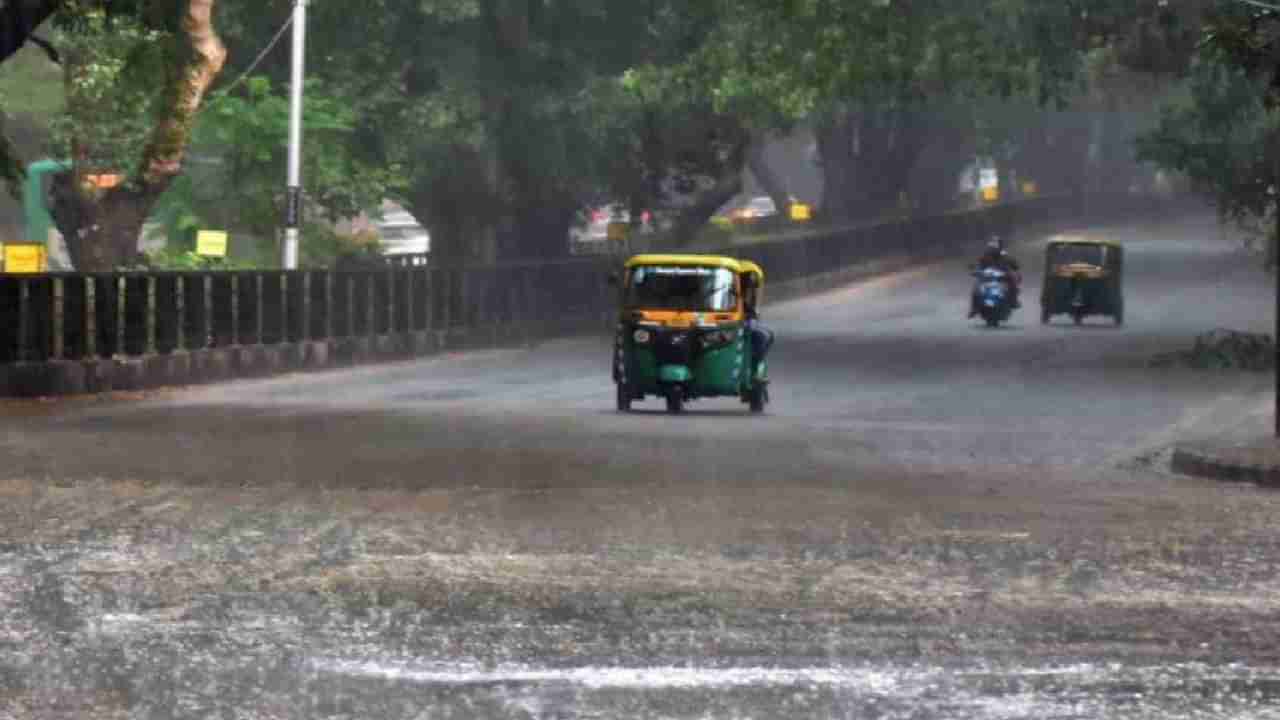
[497, 121]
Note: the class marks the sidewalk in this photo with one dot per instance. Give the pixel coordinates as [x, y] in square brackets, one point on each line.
[1248, 452]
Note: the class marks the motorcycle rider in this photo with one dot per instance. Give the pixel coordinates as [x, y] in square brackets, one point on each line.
[996, 257]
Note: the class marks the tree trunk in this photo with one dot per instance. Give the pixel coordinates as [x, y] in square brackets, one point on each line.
[773, 184]
[867, 158]
[837, 157]
[935, 179]
[102, 229]
[19, 19]
[694, 218]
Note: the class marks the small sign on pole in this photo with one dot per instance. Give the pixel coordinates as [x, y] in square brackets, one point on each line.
[801, 212]
[25, 258]
[211, 243]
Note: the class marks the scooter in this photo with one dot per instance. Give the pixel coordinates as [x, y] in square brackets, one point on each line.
[994, 300]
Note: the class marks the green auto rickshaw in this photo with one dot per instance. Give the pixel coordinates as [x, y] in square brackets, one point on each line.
[682, 331]
[1083, 276]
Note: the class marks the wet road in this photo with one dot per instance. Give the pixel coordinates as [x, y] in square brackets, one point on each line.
[934, 519]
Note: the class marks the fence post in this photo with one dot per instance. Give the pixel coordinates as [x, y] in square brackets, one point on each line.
[328, 305]
[351, 305]
[24, 319]
[59, 321]
[284, 308]
[391, 301]
[206, 325]
[446, 298]
[257, 305]
[409, 297]
[304, 332]
[428, 305]
[90, 318]
[370, 328]
[235, 310]
[122, 298]
[150, 348]
[180, 302]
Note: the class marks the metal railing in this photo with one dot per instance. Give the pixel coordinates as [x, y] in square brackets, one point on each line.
[72, 316]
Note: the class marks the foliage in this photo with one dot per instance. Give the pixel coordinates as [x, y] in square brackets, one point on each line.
[175, 259]
[1224, 133]
[112, 67]
[248, 135]
[1214, 133]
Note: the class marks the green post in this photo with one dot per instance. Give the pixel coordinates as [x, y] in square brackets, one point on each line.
[34, 205]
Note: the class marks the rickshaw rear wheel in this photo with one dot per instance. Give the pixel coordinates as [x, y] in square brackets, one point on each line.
[675, 400]
[1078, 317]
[624, 397]
[1044, 317]
[757, 397]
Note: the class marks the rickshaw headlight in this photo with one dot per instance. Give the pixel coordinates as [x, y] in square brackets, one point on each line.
[642, 336]
[720, 337]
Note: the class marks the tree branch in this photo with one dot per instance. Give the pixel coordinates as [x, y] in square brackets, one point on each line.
[204, 57]
[48, 48]
[19, 19]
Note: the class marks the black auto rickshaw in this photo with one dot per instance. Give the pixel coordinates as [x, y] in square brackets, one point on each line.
[1082, 277]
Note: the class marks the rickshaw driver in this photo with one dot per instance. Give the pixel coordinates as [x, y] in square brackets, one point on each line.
[996, 257]
[761, 336]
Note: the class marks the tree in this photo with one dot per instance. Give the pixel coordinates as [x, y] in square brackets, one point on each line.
[1224, 132]
[113, 50]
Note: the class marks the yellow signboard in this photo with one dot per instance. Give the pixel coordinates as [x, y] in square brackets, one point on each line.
[1029, 188]
[25, 258]
[210, 243]
[617, 231]
[801, 212]
[991, 194]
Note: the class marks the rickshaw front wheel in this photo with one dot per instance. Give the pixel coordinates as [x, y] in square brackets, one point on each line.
[757, 396]
[675, 399]
[624, 397]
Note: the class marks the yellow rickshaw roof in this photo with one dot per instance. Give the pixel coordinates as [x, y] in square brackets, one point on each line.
[716, 261]
[1083, 240]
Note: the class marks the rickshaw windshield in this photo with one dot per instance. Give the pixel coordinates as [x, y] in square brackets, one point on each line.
[697, 289]
[1073, 254]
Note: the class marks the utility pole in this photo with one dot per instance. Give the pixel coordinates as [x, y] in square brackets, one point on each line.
[293, 199]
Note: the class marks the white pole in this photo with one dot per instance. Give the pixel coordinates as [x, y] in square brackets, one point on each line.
[293, 201]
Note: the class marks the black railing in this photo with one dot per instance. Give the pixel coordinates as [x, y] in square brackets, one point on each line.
[74, 316]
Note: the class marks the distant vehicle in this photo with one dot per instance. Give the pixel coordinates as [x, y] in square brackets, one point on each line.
[1082, 277]
[992, 291]
[402, 235]
[757, 208]
[593, 236]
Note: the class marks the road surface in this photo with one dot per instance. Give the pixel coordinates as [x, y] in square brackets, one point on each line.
[934, 519]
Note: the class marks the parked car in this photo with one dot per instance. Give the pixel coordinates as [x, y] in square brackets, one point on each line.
[756, 209]
[402, 235]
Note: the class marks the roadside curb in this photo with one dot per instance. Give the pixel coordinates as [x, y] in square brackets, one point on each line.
[1254, 461]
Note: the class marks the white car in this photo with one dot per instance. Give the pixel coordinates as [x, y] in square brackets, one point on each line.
[402, 235]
